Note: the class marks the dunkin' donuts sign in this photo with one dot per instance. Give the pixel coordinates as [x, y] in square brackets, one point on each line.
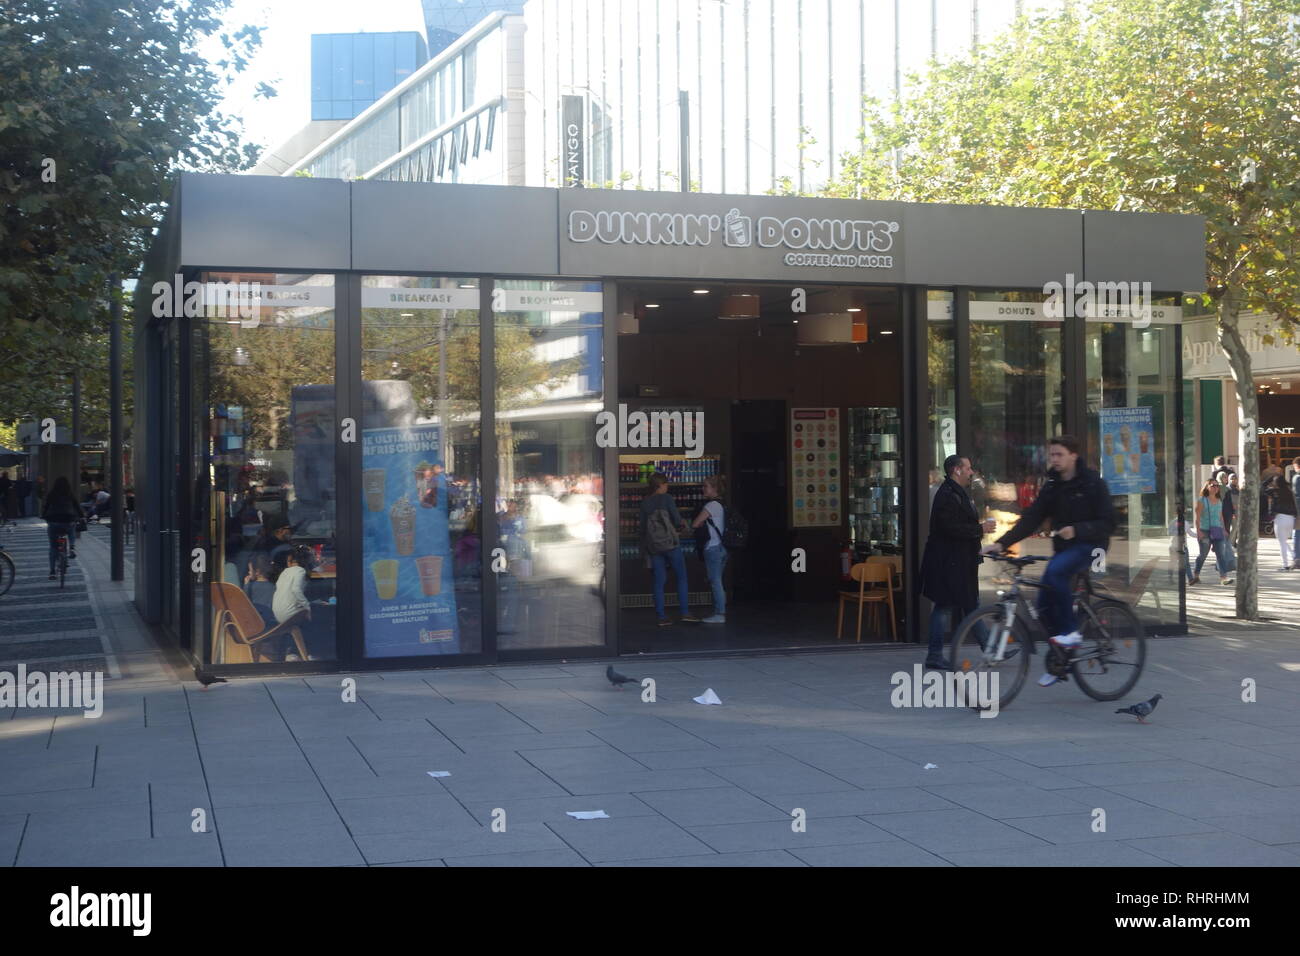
[843, 243]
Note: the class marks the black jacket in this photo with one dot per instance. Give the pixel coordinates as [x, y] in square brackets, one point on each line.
[60, 509]
[1083, 502]
[950, 565]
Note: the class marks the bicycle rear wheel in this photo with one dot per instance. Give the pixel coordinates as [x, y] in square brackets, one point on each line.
[7, 572]
[1109, 661]
[968, 656]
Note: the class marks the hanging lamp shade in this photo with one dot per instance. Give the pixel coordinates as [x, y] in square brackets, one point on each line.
[739, 306]
[832, 328]
[628, 324]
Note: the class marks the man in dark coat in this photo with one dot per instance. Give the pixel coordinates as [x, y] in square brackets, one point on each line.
[950, 565]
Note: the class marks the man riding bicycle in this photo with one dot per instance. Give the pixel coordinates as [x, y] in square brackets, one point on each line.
[1078, 502]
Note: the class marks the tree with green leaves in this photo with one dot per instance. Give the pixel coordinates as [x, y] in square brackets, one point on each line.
[1173, 106]
[101, 102]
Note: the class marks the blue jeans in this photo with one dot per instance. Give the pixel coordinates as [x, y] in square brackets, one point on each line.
[660, 563]
[1222, 557]
[1056, 600]
[54, 530]
[944, 620]
[715, 560]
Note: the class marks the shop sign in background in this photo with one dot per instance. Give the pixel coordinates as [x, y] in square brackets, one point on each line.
[410, 598]
[1128, 451]
[816, 467]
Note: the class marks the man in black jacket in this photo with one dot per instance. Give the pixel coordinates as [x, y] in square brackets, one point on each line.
[1077, 500]
[950, 565]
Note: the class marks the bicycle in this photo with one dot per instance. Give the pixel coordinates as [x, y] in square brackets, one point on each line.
[7, 571]
[61, 562]
[1114, 643]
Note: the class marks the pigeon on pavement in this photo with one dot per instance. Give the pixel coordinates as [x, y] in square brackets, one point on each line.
[618, 679]
[1142, 710]
[206, 679]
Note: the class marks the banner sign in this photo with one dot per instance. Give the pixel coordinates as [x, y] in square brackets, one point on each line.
[572, 141]
[1128, 460]
[409, 591]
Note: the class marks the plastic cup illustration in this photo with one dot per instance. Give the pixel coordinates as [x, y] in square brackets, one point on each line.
[402, 516]
[1135, 463]
[1108, 443]
[736, 229]
[1126, 438]
[1144, 442]
[385, 573]
[430, 567]
[372, 479]
[1119, 464]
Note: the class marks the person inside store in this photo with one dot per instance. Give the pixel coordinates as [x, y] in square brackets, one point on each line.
[290, 604]
[661, 522]
[1284, 521]
[275, 538]
[709, 525]
[950, 564]
[1078, 501]
[1211, 532]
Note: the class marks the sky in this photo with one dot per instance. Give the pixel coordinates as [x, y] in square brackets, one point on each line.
[284, 59]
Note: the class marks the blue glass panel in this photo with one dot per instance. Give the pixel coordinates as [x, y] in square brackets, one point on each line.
[363, 69]
[341, 73]
[385, 65]
[320, 68]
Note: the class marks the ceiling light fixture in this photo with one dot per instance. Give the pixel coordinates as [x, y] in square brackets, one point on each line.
[652, 305]
[700, 291]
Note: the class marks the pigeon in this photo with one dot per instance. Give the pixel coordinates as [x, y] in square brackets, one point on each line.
[206, 679]
[618, 679]
[1143, 710]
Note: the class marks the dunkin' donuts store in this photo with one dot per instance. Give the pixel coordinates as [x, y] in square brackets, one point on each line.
[442, 402]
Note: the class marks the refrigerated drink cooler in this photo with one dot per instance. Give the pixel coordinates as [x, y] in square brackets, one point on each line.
[875, 480]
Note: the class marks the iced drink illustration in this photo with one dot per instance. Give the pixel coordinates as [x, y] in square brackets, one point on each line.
[430, 567]
[1126, 437]
[1144, 442]
[372, 479]
[402, 516]
[1108, 443]
[385, 573]
[426, 484]
[737, 229]
[1135, 463]
[1119, 464]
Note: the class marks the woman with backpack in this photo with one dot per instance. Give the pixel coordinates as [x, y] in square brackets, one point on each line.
[61, 514]
[709, 525]
[660, 524]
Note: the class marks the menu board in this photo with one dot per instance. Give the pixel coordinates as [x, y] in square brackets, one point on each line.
[409, 592]
[816, 467]
[1128, 460]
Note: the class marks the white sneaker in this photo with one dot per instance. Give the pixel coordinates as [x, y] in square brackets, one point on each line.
[290, 658]
[1047, 680]
[716, 619]
[1073, 639]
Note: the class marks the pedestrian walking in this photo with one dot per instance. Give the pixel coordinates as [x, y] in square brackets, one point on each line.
[950, 565]
[23, 489]
[5, 485]
[661, 527]
[61, 514]
[1284, 520]
[1211, 533]
[709, 525]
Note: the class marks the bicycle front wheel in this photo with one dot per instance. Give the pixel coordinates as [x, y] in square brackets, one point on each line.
[1109, 661]
[7, 572]
[975, 643]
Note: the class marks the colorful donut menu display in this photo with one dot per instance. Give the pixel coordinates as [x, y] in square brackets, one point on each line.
[816, 468]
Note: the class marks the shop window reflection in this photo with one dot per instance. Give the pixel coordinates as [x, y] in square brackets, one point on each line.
[550, 491]
[270, 460]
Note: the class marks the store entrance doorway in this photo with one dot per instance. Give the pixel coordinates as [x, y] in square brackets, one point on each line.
[801, 413]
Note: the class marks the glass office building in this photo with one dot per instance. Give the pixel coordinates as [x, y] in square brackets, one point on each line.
[349, 71]
[377, 442]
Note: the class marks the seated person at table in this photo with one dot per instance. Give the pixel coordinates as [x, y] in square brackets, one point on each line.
[290, 604]
[258, 584]
[275, 539]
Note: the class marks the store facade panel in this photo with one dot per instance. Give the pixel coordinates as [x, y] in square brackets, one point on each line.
[394, 457]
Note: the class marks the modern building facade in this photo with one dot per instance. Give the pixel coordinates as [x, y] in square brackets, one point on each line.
[349, 71]
[407, 408]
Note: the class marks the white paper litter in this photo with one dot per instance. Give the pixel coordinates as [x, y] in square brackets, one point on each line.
[708, 697]
[439, 773]
[931, 766]
[587, 814]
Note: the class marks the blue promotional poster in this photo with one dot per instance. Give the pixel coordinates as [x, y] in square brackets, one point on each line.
[410, 598]
[1128, 445]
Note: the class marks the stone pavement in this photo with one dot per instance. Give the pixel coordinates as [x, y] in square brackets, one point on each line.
[287, 773]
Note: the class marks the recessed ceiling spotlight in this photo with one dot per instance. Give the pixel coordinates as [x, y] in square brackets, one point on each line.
[652, 305]
[852, 310]
[886, 332]
[700, 291]
[408, 315]
[796, 321]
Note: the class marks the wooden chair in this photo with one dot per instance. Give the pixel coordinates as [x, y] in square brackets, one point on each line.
[894, 561]
[241, 629]
[873, 574]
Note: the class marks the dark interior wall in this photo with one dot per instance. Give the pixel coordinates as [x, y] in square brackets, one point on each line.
[1279, 411]
[715, 362]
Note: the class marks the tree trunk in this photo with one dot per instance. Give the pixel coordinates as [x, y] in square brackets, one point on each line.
[1247, 514]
